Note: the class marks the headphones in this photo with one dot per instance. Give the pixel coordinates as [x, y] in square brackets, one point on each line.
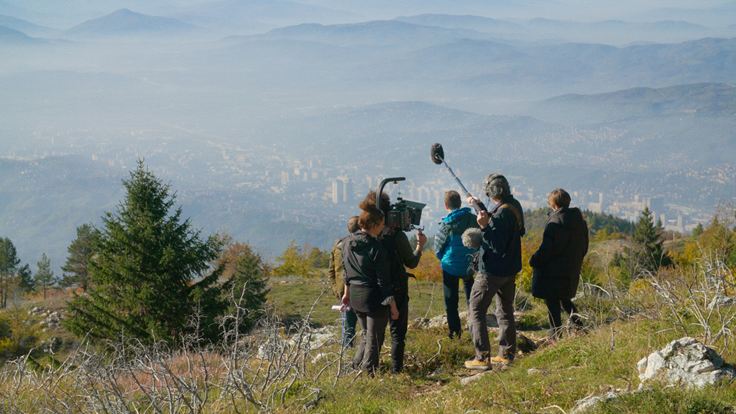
[497, 186]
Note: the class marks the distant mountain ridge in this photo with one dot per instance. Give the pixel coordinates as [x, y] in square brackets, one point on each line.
[126, 22]
[700, 99]
[376, 32]
[12, 37]
[25, 26]
[542, 29]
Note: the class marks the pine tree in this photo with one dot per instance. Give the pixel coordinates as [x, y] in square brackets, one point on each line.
[698, 230]
[44, 277]
[25, 279]
[76, 268]
[248, 275]
[9, 263]
[648, 251]
[151, 275]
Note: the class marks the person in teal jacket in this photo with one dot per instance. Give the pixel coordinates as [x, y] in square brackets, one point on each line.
[454, 257]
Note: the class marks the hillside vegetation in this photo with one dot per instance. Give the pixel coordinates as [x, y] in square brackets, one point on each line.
[246, 336]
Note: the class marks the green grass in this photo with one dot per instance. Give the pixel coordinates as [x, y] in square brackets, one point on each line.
[573, 368]
[292, 299]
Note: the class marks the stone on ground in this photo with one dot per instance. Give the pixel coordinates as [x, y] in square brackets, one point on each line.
[687, 362]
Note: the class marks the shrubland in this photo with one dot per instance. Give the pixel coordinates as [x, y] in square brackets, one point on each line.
[267, 341]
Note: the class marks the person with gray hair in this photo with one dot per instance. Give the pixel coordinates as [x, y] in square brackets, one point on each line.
[498, 262]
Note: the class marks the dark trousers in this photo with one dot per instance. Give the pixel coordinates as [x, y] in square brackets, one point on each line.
[451, 285]
[554, 313]
[349, 320]
[398, 333]
[485, 288]
[369, 347]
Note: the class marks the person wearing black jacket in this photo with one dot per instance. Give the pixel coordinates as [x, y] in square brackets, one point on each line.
[368, 285]
[498, 263]
[400, 255]
[558, 260]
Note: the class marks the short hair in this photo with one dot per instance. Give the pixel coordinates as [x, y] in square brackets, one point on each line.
[353, 225]
[559, 197]
[497, 186]
[452, 200]
[370, 216]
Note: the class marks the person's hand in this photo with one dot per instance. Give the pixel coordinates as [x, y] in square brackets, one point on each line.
[345, 300]
[472, 200]
[421, 240]
[483, 219]
[394, 311]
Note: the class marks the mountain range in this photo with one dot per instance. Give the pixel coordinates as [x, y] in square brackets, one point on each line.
[708, 100]
[12, 37]
[26, 27]
[125, 22]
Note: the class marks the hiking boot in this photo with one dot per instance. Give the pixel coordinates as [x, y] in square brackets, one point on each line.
[478, 364]
[501, 360]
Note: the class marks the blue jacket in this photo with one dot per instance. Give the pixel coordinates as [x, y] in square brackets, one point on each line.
[448, 244]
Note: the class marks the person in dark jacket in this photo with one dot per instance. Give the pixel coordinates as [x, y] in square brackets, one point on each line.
[455, 258]
[336, 274]
[558, 260]
[498, 263]
[400, 255]
[368, 288]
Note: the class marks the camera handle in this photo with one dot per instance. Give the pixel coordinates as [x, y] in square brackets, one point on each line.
[383, 183]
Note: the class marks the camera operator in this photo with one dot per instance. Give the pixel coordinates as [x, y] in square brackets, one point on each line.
[368, 285]
[499, 261]
[400, 256]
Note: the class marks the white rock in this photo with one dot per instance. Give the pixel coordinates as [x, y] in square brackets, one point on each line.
[720, 301]
[591, 401]
[473, 378]
[687, 362]
[319, 357]
[440, 321]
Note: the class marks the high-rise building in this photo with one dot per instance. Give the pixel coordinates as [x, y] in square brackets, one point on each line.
[347, 193]
[338, 191]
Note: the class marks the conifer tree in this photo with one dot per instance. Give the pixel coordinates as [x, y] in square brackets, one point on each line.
[25, 279]
[44, 277]
[648, 252]
[248, 274]
[9, 263]
[151, 275]
[76, 268]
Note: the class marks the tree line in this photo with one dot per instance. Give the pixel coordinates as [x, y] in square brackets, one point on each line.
[147, 273]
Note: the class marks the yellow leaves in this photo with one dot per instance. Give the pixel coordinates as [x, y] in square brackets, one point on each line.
[429, 268]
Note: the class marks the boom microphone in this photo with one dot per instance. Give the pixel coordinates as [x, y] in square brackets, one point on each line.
[437, 154]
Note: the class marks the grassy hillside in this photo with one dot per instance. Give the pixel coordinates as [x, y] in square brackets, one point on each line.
[622, 329]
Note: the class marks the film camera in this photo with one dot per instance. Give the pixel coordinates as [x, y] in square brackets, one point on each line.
[403, 214]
